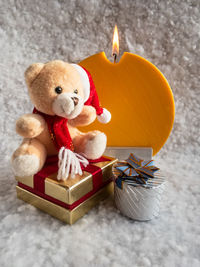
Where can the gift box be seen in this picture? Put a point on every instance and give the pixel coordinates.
(70, 199)
(138, 189)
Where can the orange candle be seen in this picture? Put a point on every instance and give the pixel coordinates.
(137, 95)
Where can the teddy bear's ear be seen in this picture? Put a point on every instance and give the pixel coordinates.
(32, 72)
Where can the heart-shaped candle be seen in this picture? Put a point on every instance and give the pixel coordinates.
(138, 97)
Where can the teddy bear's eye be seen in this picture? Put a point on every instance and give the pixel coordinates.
(76, 91)
(58, 90)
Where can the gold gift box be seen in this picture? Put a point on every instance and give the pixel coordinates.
(68, 192)
(65, 215)
(72, 189)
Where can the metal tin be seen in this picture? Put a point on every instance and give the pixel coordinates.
(138, 202)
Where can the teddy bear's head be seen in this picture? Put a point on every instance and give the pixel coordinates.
(55, 88)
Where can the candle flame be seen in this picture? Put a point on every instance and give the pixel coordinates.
(115, 46)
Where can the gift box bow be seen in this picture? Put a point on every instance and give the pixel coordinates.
(134, 171)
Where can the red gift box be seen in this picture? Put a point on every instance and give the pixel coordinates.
(45, 192)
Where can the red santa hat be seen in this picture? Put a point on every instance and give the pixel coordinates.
(90, 94)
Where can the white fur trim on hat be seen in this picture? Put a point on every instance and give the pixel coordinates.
(105, 117)
(85, 81)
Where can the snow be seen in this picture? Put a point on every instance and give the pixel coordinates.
(167, 34)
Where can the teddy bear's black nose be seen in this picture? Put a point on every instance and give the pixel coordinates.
(75, 99)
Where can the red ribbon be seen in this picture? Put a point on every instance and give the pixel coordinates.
(51, 166)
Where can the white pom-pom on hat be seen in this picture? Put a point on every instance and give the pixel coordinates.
(90, 94)
(105, 117)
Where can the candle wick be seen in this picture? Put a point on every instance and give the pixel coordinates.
(115, 57)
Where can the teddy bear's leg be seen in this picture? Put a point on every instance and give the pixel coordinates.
(29, 158)
(91, 144)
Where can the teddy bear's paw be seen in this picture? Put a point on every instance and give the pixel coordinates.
(25, 165)
(95, 146)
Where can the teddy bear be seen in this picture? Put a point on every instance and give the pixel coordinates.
(64, 97)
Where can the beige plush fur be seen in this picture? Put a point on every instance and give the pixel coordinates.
(30, 125)
(42, 79)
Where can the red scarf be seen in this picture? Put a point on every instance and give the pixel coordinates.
(58, 130)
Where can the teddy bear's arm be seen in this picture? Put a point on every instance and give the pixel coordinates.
(87, 116)
(30, 125)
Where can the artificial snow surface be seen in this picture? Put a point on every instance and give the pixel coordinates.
(168, 34)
